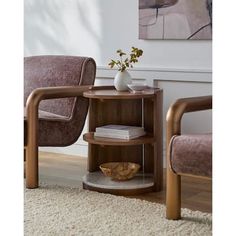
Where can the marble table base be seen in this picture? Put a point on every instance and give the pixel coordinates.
(98, 180)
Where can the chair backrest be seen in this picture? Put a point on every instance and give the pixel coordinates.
(50, 71)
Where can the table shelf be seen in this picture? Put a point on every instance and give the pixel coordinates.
(141, 183)
(89, 137)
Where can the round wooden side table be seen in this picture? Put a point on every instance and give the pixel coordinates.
(108, 106)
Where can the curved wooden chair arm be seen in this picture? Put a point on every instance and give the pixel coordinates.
(45, 93)
(181, 106)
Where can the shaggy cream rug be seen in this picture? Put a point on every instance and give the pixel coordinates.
(54, 210)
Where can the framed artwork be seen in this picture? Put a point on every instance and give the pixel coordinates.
(175, 19)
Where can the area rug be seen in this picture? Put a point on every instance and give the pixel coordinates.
(55, 210)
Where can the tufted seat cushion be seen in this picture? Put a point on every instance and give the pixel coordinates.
(192, 154)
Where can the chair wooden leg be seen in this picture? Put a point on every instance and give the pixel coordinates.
(173, 196)
(32, 145)
(32, 166)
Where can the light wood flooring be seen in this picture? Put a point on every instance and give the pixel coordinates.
(68, 171)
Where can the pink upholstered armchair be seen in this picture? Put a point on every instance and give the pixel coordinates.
(187, 155)
(55, 110)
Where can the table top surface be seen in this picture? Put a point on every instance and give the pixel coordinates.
(114, 94)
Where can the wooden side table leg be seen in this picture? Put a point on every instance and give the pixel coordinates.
(158, 146)
(92, 160)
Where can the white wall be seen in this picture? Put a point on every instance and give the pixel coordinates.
(97, 28)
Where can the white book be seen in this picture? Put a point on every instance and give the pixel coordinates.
(120, 129)
(118, 136)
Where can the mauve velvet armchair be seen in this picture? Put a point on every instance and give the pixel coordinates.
(187, 155)
(55, 109)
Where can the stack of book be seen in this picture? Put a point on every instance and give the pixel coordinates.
(119, 131)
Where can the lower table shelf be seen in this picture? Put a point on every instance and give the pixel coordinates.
(141, 183)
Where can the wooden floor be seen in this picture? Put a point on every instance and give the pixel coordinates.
(68, 171)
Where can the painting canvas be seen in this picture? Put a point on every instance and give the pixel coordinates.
(175, 19)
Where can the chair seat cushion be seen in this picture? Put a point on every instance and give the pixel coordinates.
(47, 115)
(192, 154)
(52, 129)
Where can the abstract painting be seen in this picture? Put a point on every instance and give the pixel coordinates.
(175, 19)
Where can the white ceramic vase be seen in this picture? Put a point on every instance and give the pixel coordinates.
(121, 80)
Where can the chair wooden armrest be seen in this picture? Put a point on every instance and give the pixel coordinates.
(181, 106)
(45, 93)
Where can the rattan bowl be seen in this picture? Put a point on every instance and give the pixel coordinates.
(119, 171)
